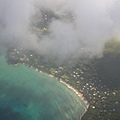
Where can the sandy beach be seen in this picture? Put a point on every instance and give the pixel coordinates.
(70, 87)
(78, 93)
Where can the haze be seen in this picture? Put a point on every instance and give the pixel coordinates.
(83, 33)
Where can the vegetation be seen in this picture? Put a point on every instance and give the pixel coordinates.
(108, 74)
(97, 79)
(112, 47)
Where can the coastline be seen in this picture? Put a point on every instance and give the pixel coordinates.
(80, 95)
(70, 87)
(87, 82)
(77, 93)
(73, 89)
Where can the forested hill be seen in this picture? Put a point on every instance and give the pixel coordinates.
(108, 67)
(108, 73)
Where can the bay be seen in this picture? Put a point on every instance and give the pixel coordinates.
(28, 95)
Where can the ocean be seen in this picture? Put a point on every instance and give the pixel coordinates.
(29, 95)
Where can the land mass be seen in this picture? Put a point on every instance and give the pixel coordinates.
(97, 79)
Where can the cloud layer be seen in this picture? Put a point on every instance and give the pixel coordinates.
(72, 29)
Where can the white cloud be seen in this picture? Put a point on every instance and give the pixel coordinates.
(95, 21)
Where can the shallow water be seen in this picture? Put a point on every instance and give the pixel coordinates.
(28, 95)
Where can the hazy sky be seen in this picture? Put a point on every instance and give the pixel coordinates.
(94, 22)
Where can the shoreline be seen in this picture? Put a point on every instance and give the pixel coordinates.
(80, 95)
(61, 81)
(77, 93)
(70, 87)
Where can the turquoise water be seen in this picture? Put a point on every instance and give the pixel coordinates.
(28, 95)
